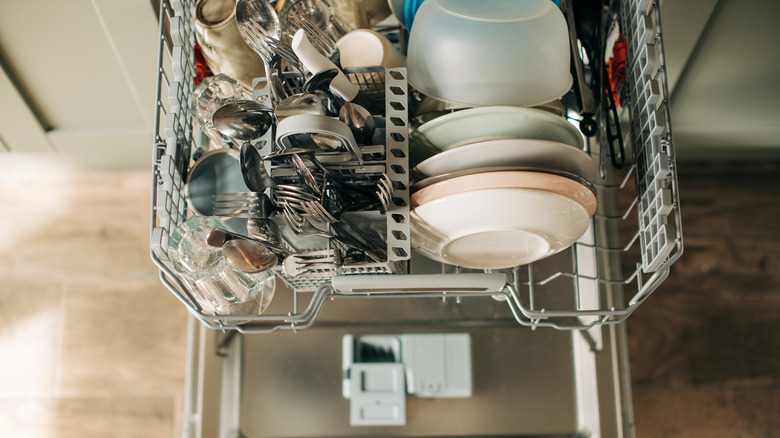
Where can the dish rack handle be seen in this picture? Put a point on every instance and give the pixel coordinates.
(420, 283)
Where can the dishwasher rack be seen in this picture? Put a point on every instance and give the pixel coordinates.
(634, 238)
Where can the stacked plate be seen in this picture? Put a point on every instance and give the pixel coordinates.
(498, 187)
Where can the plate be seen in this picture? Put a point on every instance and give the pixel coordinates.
(510, 152)
(425, 182)
(497, 228)
(561, 185)
(491, 122)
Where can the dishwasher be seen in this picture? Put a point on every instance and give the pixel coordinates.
(411, 347)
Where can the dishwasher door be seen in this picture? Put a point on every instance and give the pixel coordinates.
(541, 383)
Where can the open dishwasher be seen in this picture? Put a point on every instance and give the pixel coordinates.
(406, 346)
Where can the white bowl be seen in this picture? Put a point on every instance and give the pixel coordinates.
(490, 52)
(497, 228)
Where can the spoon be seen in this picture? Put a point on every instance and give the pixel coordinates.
(243, 120)
(304, 103)
(248, 256)
(359, 120)
(261, 30)
(218, 238)
(255, 176)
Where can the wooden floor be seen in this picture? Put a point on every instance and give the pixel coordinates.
(705, 348)
(91, 345)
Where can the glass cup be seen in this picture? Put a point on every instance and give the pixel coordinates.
(319, 12)
(212, 94)
(214, 284)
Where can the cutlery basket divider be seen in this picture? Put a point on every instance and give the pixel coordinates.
(634, 238)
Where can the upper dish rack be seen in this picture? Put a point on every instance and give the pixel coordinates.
(634, 238)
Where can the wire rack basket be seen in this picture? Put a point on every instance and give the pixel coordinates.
(634, 238)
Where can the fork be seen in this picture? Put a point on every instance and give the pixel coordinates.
(321, 40)
(253, 206)
(342, 227)
(286, 52)
(303, 228)
(323, 263)
(247, 205)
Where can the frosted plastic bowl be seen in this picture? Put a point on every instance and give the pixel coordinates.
(490, 52)
(497, 228)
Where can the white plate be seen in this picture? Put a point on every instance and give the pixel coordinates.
(511, 152)
(497, 228)
(491, 122)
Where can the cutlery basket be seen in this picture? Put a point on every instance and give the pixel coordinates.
(634, 238)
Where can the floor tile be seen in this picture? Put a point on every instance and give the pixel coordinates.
(124, 340)
(94, 227)
(30, 338)
(707, 412)
(87, 418)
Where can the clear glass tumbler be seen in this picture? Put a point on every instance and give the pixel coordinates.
(217, 287)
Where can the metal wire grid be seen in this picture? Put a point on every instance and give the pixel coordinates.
(386, 87)
(591, 284)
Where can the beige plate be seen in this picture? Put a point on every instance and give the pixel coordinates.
(509, 180)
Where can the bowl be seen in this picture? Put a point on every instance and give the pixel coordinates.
(497, 228)
(490, 52)
(368, 48)
(582, 192)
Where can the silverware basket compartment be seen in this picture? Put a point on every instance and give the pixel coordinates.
(634, 238)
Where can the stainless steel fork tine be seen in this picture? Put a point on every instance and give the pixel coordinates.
(304, 173)
(324, 42)
(300, 23)
(385, 182)
(235, 202)
(258, 43)
(322, 211)
(238, 204)
(295, 195)
(312, 212)
(291, 217)
(294, 188)
(283, 50)
(383, 199)
(318, 212)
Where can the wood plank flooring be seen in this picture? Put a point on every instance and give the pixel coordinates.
(91, 345)
(705, 348)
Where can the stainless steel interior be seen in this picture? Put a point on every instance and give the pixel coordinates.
(550, 383)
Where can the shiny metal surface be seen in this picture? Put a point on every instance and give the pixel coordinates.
(526, 382)
(523, 382)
